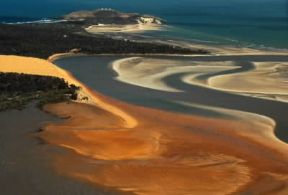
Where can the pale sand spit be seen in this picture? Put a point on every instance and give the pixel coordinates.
(131, 28)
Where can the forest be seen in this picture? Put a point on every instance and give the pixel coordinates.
(44, 40)
(17, 90)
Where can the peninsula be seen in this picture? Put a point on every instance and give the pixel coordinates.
(150, 124)
(110, 16)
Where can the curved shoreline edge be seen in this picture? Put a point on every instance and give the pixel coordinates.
(155, 147)
(227, 76)
(97, 99)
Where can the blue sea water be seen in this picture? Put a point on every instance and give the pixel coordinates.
(260, 23)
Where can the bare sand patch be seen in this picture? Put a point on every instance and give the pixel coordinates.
(268, 78)
(150, 72)
(166, 152)
(36, 66)
(131, 28)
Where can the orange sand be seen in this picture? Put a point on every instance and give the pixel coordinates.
(152, 152)
(166, 153)
(29, 65)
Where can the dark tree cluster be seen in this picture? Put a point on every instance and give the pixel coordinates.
(103, 16)
(16, 90)
(23, 83)
(44, 40)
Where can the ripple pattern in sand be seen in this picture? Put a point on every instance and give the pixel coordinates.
(259, 79)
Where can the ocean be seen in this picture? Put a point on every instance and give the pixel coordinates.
(250, 23)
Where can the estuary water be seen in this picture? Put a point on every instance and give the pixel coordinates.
(96, 72)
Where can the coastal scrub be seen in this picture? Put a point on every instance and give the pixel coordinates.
(16, 90)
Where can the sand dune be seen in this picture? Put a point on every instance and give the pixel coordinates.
(36, 66)
(29, 66)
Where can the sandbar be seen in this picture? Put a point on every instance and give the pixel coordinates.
(117, 28)
(148, 151)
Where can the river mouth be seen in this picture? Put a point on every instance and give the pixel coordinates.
(153, 125)
(97, 73)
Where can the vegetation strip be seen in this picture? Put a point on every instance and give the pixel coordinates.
(16, 90)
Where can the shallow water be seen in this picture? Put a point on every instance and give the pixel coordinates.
(26, 165)
(256, 23)
(97, 74)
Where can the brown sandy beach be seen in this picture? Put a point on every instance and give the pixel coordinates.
(147, 151)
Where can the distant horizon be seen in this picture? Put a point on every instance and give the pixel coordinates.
(244, 22)
(162, 97)
(52, 8)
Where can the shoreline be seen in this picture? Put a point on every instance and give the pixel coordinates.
(162, 123)
(152, 145)
(60, 56)
(190, 93)
(221, 49)
(62, 38)
(211, 81)
(129, 28)
(276, 138)
(257, 94)
(27, 161)
(50, 69)
(83, 175)
(59, 72)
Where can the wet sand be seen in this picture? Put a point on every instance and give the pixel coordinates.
(150, 72)
(266, 78)
(142, 150)
(262, 79)
(99, 75)
(214, 49)
(26, 162)
(165, 152)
